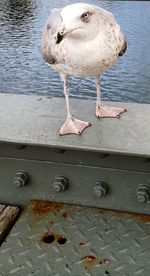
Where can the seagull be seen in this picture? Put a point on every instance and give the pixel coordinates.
(82, 40)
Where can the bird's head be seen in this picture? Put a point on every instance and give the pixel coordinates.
(78, 21)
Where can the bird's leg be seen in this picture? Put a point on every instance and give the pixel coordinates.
(71, 125)
(103, 111)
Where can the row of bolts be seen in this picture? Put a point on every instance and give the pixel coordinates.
(100, 189)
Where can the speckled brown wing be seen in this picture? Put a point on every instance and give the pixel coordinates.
(49, 36)
(123, 50)
(110, 19)
(108, 16)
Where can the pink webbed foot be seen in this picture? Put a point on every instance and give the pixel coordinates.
(73, 126)
(103, 111)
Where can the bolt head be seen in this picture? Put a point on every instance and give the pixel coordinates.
(17, 183)
(143, 193)
(98, 192)
(141, 198)
(58, 188)
(21, 179)
(60, 184)
(100, 189)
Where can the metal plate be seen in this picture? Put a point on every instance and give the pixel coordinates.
(53, 239)
(122, 185)
(75, 157)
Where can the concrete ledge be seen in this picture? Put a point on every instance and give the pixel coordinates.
(36, 120)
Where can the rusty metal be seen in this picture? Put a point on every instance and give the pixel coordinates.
(58, 239)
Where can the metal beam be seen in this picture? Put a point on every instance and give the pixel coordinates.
(36, 121)
(107, 166)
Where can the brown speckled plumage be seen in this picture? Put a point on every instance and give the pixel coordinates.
(82, 40)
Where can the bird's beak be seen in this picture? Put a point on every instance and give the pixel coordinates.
(62, 34)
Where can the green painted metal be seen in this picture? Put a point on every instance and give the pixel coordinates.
(121, 194)
(53, 239)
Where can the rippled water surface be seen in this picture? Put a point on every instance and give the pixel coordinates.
(23, 71)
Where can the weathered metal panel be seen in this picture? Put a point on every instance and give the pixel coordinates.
(113, 151)
(53, 239)
(121, 194)
(36, 120)
(75, 157)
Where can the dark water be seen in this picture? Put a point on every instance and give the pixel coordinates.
(23, 71)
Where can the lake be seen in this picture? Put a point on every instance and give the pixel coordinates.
(23, 71)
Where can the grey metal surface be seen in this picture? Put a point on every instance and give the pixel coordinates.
(116, 152)
(36, 120)
(121, 184)
(74, 157)
(53, 239)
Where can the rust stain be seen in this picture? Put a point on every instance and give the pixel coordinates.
(104, 261)
(121, 214)
(81, 244)
(65, 215)
(47, 237)
(51, 237)
(104, 211)
(144, 218)
(51, 222)
(89, 261)
(140, 217)
(42, 207)
(107, 273)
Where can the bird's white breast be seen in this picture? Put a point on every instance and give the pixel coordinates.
(88, 58)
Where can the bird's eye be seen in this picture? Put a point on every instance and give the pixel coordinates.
(85, 16)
